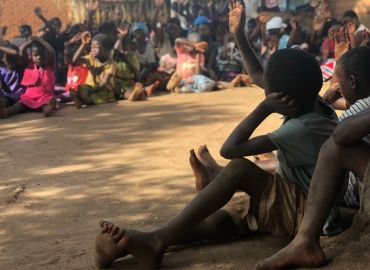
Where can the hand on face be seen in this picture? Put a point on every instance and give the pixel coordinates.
(280, 103)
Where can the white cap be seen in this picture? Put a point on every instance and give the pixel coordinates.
(275, 23)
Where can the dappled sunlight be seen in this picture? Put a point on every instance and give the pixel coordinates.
(124, 162)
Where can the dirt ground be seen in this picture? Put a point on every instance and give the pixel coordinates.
(127, 163)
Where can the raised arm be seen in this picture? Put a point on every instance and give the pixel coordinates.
(49, 25)
(5, 49)
(250, 60)
(85, 38)
(24, 47)
(49, 49)
(240, 144)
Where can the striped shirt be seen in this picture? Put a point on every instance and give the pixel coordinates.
(354, 184)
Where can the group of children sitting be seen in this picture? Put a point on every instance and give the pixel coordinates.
(322, 163)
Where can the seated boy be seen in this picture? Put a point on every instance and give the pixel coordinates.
(346, 150)
(308, 123)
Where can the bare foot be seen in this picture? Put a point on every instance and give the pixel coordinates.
(202, 176)
(50, 108)
(110, 244)
(138, 94)
(113, 243)
(151, 88)
(297, 256)
(206, 158)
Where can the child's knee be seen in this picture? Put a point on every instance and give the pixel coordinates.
(330, 150)
(240, 166)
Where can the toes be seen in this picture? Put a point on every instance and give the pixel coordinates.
(115, 230)
(123, 243)
(117, 237)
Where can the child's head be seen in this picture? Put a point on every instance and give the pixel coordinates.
(25, 31)
(203, 25)
(100, 46)
(10, 61)
(140, 33)
(296, 74)
(173, 29)
(273, 41)
(350, 18)
(353, 71)
(38, 54)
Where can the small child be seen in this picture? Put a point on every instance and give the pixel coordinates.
(128, 69)
(99, 87)
(39, 80)
(188, 77)
(76, 74)
(11, 72)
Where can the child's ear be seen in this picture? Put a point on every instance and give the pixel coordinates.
(353, 81)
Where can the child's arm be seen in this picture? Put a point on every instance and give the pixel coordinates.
(50, 26)
(250, 59)
(239, 144)
(24, 47)
(85, 38)
(353, 129)
(7, 50)
(50, 50)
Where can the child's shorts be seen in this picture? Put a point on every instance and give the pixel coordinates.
(279, 211)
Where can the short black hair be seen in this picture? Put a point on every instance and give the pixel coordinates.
(38, 46)
(103, 40)
(295, 73)
(175, 21)
(350, 14)
(356, 62)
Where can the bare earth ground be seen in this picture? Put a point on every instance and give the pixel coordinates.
(127, 163)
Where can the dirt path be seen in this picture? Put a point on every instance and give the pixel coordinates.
(124, 162)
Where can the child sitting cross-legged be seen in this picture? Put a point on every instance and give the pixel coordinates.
(38, 79)
(99, 87)
(292, 82)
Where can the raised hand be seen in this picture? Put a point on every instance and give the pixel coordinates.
(236, 17)
(38, 11)
(365, 39)
(86, 37)
(201, 46)
(158, 3)
(294, 23)
(123, 31)
(342, 42)
(263, 18)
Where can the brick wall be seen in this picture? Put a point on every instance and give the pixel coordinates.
(16, 12)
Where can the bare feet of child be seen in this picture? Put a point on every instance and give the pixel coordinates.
(295, 255)
(206, 158)
(150, 89)
(50, 108)
(77, 100)
(138, 94)
(113, 243)
(202, 176)
(241, 79)
(2, 108)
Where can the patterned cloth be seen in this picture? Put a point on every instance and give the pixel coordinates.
(11, 84)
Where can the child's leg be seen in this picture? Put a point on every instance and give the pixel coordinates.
(49, 109)
(326, 184)
(17, 108)
(83, 94)
(240, 174)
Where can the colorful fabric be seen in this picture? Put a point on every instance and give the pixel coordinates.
(328, 69)
(11, 84)
(76, 75)
(197, 84)
(168, 64)
(97, 73)
(187, 62)
(40, 84)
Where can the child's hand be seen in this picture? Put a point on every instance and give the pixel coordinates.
(86, 37)
(294, 23)
(342, 42)
(38, 11)
(122, 31)
(365, 39)
(158, 3)
(263, 18)
(332, 94)
(201, 46)
(281, 103)
(236, 17)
